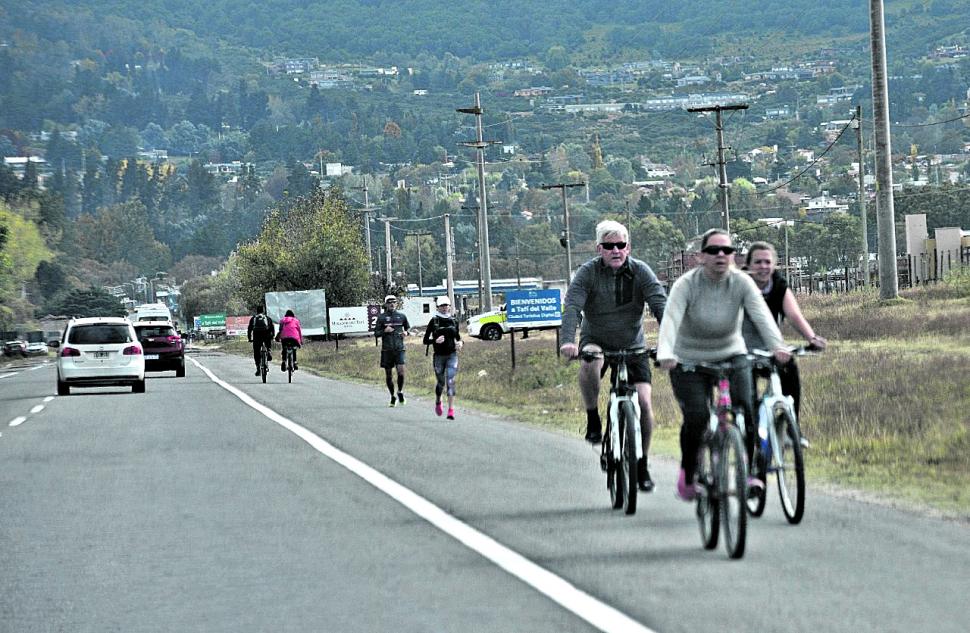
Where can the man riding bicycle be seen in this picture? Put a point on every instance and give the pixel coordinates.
(290, 336)
(610, 292)
(260, 334)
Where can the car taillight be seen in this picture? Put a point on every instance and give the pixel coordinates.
(132, 350)
(173, 340)
(70, 351)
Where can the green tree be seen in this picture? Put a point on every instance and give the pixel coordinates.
(654, 238)
(89, 303)
(313, 242)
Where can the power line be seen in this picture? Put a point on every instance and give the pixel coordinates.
(813, 163)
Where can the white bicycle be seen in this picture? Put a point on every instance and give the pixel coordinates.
(778, 447)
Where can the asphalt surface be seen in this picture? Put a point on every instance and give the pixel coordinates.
(217, 503)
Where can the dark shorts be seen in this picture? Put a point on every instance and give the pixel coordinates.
(638, 369)
(391, 359)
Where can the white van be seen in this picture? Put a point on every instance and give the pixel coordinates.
(151, 312)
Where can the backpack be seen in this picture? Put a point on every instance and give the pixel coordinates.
(260, 323)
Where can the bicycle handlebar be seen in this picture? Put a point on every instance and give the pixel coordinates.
(763, 359)
(610, 355)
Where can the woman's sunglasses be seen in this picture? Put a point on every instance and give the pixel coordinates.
(608, 246)
(718, 250)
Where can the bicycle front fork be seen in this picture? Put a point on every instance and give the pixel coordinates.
(614, 413)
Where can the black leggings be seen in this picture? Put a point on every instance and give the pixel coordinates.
(693, 392)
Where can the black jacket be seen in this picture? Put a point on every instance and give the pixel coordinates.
(442, 326)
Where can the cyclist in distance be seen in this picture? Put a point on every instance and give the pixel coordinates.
(290, 335)
(609, 293)
(762, 265)
(703, 324)
(444, 335)
(260, 334)
(392, 326)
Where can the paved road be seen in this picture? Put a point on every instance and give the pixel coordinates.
(216, 503)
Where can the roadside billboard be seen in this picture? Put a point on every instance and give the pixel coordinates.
(237, 325)
(209, 322)
(309, 306)
(533, 308)
(349, 320)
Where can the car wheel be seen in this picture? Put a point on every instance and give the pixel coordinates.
(491, 332)
(180, 372)
(138, 387)
(62, 388)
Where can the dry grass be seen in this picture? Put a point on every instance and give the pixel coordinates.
(887, 407)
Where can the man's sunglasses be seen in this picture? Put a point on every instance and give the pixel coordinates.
(608, 246)
(718, 250)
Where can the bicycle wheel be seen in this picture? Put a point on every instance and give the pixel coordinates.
(615, 479)
(708, 514)
(629, 456)
(791, 467)
(263, 366)
(289, 366)
(732, 490)
(757, 497)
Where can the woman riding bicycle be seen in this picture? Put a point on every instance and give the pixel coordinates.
(702, 323)
(290, 335)
(762, 263)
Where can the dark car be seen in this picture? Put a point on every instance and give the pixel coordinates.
(15, 348)
(164, 348)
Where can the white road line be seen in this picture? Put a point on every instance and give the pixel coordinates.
(48, 398)
(37, 409)
(18, 421)
(599, 614)
(7, 375)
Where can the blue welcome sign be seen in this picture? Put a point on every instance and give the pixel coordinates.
(533, 308)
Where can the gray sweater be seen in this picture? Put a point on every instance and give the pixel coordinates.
(703, 317)
(611, 304)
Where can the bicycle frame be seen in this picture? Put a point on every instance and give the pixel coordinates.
(621, 390)
(769, 403)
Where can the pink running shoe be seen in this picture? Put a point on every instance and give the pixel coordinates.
(451, 413)
(685, 492)
(437, 409)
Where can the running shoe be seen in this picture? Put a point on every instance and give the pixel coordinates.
(451, 413)
(393, 402)
(400, 397)
(437, 409)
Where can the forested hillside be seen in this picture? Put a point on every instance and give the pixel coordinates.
(343, 30)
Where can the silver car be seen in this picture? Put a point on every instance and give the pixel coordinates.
(100, 352)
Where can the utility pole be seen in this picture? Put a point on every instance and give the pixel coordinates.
(370, 261)
(565, 221)
(721, 169)
(450, 281)
(417, 243)
(387, 246)
(857, 124)
(481, 273)
(885, 213)
(480, 145)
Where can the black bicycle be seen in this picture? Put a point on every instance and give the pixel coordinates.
(622, 447)
(289, 359)
(722, 470)
(263, 361)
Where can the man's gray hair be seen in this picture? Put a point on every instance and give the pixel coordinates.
(606, 227)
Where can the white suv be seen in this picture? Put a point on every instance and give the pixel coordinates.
(99, 352)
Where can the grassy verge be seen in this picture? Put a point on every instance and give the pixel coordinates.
(887, 407)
